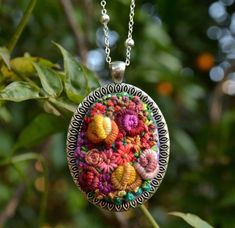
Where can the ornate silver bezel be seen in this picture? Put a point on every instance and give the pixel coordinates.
(163, 140)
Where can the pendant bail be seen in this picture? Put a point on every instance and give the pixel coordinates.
(117, 71)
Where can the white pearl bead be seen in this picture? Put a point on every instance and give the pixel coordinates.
(105, 19)
(129, 43)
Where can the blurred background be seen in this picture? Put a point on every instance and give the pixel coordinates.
(184, 58)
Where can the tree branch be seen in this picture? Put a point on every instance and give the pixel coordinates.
(22, 24)
(76, 28)
(216, 104)
(12, 205)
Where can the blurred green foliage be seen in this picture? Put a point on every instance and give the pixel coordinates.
(169, 36)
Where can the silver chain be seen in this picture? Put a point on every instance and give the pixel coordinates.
(129, 43)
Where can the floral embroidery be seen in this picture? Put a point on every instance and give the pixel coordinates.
(117, 149)
(93, 157)
(105, 185)
(124, 154)
(147, 165)
(89, 179)
(109, 161)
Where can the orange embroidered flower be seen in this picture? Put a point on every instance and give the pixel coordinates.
(102, 129)
(135, 142)
(113, 134)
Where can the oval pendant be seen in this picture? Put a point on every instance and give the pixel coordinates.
(118, 147)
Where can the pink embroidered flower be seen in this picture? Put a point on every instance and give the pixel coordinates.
(93, 157)
(89, 179)
(124, 153)
(147, 165)
(98, 108)
(132, 105)
(136, 99)
(105, 184)
(108, 161)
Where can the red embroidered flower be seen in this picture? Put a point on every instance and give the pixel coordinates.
(124, 154)
(89, 179)
(98, 108)
(87, 120)
(117, 108)
(110, 103)
(148, 140)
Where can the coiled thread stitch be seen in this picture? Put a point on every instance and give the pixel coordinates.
(102, 129)
(125, 177)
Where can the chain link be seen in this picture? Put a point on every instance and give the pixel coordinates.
(129, 42)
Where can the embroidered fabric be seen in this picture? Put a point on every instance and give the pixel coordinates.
(117, 152)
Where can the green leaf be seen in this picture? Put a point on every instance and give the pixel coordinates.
(39, 129)
(192, 220)
(5, 115)
(228, 200)
(5, 55)
(92, 79)
(185, 145)
(19, 91)
(64, 103)
(50, 80)
(75, 80)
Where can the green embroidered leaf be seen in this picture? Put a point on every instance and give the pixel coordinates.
(75, 80)
(5, 55)
(50, 80)
(19, 91)
(192, 220)
(39, 129)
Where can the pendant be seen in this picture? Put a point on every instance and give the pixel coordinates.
(118, 147)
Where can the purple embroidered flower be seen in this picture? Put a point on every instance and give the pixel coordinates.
(105, 184)
(82, 140)
(114, 99)
(125, 99)
(129, 122)
(79, 154)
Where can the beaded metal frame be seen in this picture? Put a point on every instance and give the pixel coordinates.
(163, 138)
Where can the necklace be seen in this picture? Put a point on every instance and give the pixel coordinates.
(118, 142)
